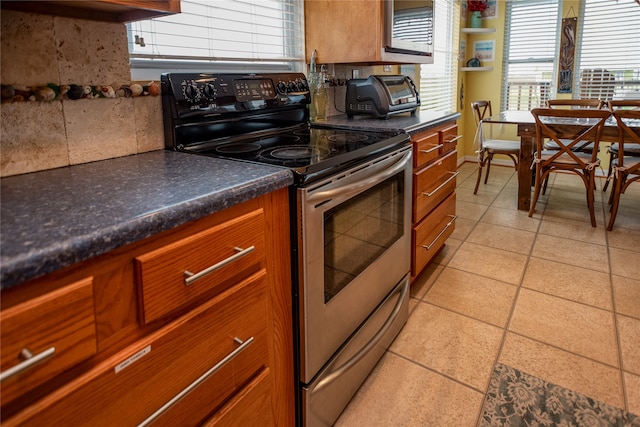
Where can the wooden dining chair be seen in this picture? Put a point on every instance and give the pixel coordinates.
(573, 104)
(626, 168)
(488, 147)
(551, 124)
(612, 150)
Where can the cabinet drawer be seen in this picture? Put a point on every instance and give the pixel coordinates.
(250, 407)
(57, 328)
(429, 236)
(136, 382)
(449, 138)
(175, 275)
(426, 148)
(433, 184)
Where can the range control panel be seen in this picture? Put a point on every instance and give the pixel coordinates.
(190, 94)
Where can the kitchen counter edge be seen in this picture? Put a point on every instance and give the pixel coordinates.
(59, 217)
(410, 123)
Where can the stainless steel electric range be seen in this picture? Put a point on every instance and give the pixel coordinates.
(350, 216)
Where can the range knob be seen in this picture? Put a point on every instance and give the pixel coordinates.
(302, 84)
(292, 87)
(191, 91)
(210, 91)
(282, 87)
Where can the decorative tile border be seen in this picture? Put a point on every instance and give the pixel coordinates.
(52, 92)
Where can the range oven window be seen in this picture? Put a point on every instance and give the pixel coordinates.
(359, 230)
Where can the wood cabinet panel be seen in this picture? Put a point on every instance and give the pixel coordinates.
(433, 184)
(449, 138)
(134, 383)
(163, 274)
(350, 32)
(99, 10)
(60, 323)
(430, 235)
(426, 148)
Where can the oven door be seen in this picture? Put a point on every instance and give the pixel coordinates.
(355, 248)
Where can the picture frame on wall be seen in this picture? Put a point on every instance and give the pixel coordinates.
(491, 12)
(484, 50)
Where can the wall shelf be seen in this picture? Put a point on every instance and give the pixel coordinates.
(476, 68)
(478, 30)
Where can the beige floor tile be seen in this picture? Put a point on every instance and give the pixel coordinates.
(425, 280)
(569, 370)
(505, 238)
(489, 262)
(626, 294)
(570, 282)
(632, 387)
(629, 330)
(483, 197)
(511, 218)
(474, 296)
(572, 252)
(559, 208)
(447, 252)
(463, 228)
(472, 211)
(624, 238)
(625, 263)
(572, 229)
(628, 216)
(587, 331)
(449, 343)
(400, 393)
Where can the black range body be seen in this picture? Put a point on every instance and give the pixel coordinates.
(350, 219)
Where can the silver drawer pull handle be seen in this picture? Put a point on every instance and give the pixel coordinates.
(190, 277)
(454, 174)
(449, 141)
(26, 364)
(446, 227)
(197, 382)
(431, 149)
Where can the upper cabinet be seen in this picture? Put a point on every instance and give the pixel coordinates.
(361, 31)
(99, 10)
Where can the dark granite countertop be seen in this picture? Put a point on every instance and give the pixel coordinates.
(410, 123)
(56, 218)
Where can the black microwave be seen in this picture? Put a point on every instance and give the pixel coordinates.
(409, 26)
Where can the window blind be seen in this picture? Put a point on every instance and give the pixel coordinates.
(529, 53)
(438, 80)
(608, 58)
(414, 25)
(212, 35)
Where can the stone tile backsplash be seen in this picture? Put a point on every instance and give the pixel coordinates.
(40, 49)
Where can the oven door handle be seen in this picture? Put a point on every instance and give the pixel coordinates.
(381, 171)
(368, 347)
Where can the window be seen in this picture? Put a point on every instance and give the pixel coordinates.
(608, 62)
(438, 80)
(529, 53)
(220, 35)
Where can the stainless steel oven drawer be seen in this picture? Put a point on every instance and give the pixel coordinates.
(325, 398)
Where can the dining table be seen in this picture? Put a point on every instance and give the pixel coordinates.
(526, 130)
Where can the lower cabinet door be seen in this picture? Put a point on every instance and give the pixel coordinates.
(219, 347)
(431, 233)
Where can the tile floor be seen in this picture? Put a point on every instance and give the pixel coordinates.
(548, 295)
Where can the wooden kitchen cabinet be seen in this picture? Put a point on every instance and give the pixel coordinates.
(350, 32)
(217, 351)
(98, 10)
(434, 199)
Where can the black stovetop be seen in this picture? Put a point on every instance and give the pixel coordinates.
(310, 152)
